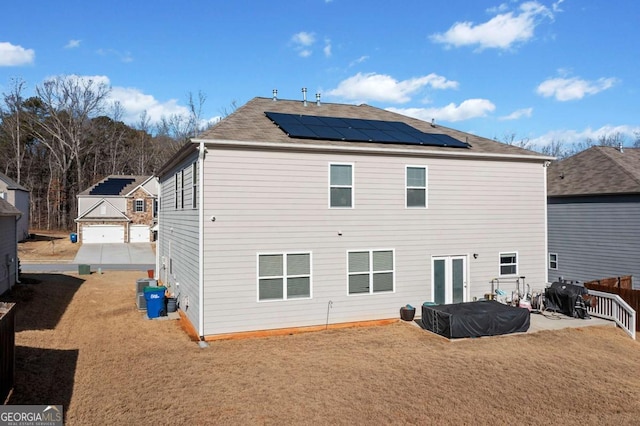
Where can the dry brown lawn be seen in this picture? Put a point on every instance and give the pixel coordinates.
(84, 345)
(47, 246)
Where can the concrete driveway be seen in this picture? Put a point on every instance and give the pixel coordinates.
(123, 254)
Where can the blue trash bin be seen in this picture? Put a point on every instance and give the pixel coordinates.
(73, 237)
(155, 301)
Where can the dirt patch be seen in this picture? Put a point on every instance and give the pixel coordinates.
(48, 246)
(96, 355)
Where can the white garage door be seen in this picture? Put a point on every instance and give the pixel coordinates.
(139, 234)
(93, 234)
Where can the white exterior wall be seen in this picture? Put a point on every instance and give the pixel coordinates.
(178, 242)
(276, 201)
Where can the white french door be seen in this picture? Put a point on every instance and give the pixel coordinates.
(449, 279)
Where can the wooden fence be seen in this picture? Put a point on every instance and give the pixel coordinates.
(619, 282)
(632, 297)
(7, 349)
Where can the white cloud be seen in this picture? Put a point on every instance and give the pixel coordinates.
(302, 41)
(517, 114)
(123, 56)
(503, 31)
(327, 47)
(471, 108)
(556, 6)
(135, 102)
(72, 44)
(571, 137)
(380, 87)
(567, 89)
(360, 60)
(12, 55)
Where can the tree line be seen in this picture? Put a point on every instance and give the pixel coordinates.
(69, 135)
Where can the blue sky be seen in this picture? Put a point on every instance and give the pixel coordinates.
(540, 70)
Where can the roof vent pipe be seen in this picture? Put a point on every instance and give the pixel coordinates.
(304, 96)
(433, 122)
(275, 95)
(318, 99)
(620, 147)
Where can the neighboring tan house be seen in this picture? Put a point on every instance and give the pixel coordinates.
(594, 215)
(18, 196)
(9, 218)
(118, 209)
(289, 214)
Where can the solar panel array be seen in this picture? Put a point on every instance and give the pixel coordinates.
(358, 130)
(111, 186)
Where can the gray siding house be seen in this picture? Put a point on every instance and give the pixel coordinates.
(594, 215)
(19, 197)
(265, 229)
(9, 218)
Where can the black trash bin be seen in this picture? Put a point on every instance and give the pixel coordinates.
(407, 313)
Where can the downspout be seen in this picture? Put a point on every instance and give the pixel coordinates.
(546, 225)
(157, 210)
(201, 154)
(17, 260)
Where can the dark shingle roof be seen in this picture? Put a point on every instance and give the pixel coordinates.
(117, 185)
(599, 170)
(249, 123)
(6, 209)
(11, 184)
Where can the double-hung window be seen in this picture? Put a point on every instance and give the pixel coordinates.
(284, 276)
(416, 190)
(182, 189)
(370, 271)
(175, 190)
(509, 263)
(341, 185)
(139, 205)
(553, 261)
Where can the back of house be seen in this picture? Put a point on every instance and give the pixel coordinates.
(289, 214)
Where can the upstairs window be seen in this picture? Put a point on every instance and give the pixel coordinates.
(139, 205)
(553, 261)
(416, 189)
(341, 185)
(175, 190)
(182, 189)
(509, 263)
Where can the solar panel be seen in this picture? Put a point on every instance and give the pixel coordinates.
(358, 130)
(111, 186)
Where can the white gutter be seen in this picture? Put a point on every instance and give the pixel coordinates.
(369, 150)
(201, 240)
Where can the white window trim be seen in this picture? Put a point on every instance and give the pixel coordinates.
(556, 261)
(352, 186)
(194, 185)
(425, 187)
(371, 292)
(284, 276)
(135, 205)
(182, 189)
(175, 190)
(500, 274)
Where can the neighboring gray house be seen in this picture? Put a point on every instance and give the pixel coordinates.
(9, 218)
(118, 209)
(18, 196)
(342, 213)
(594, 215)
